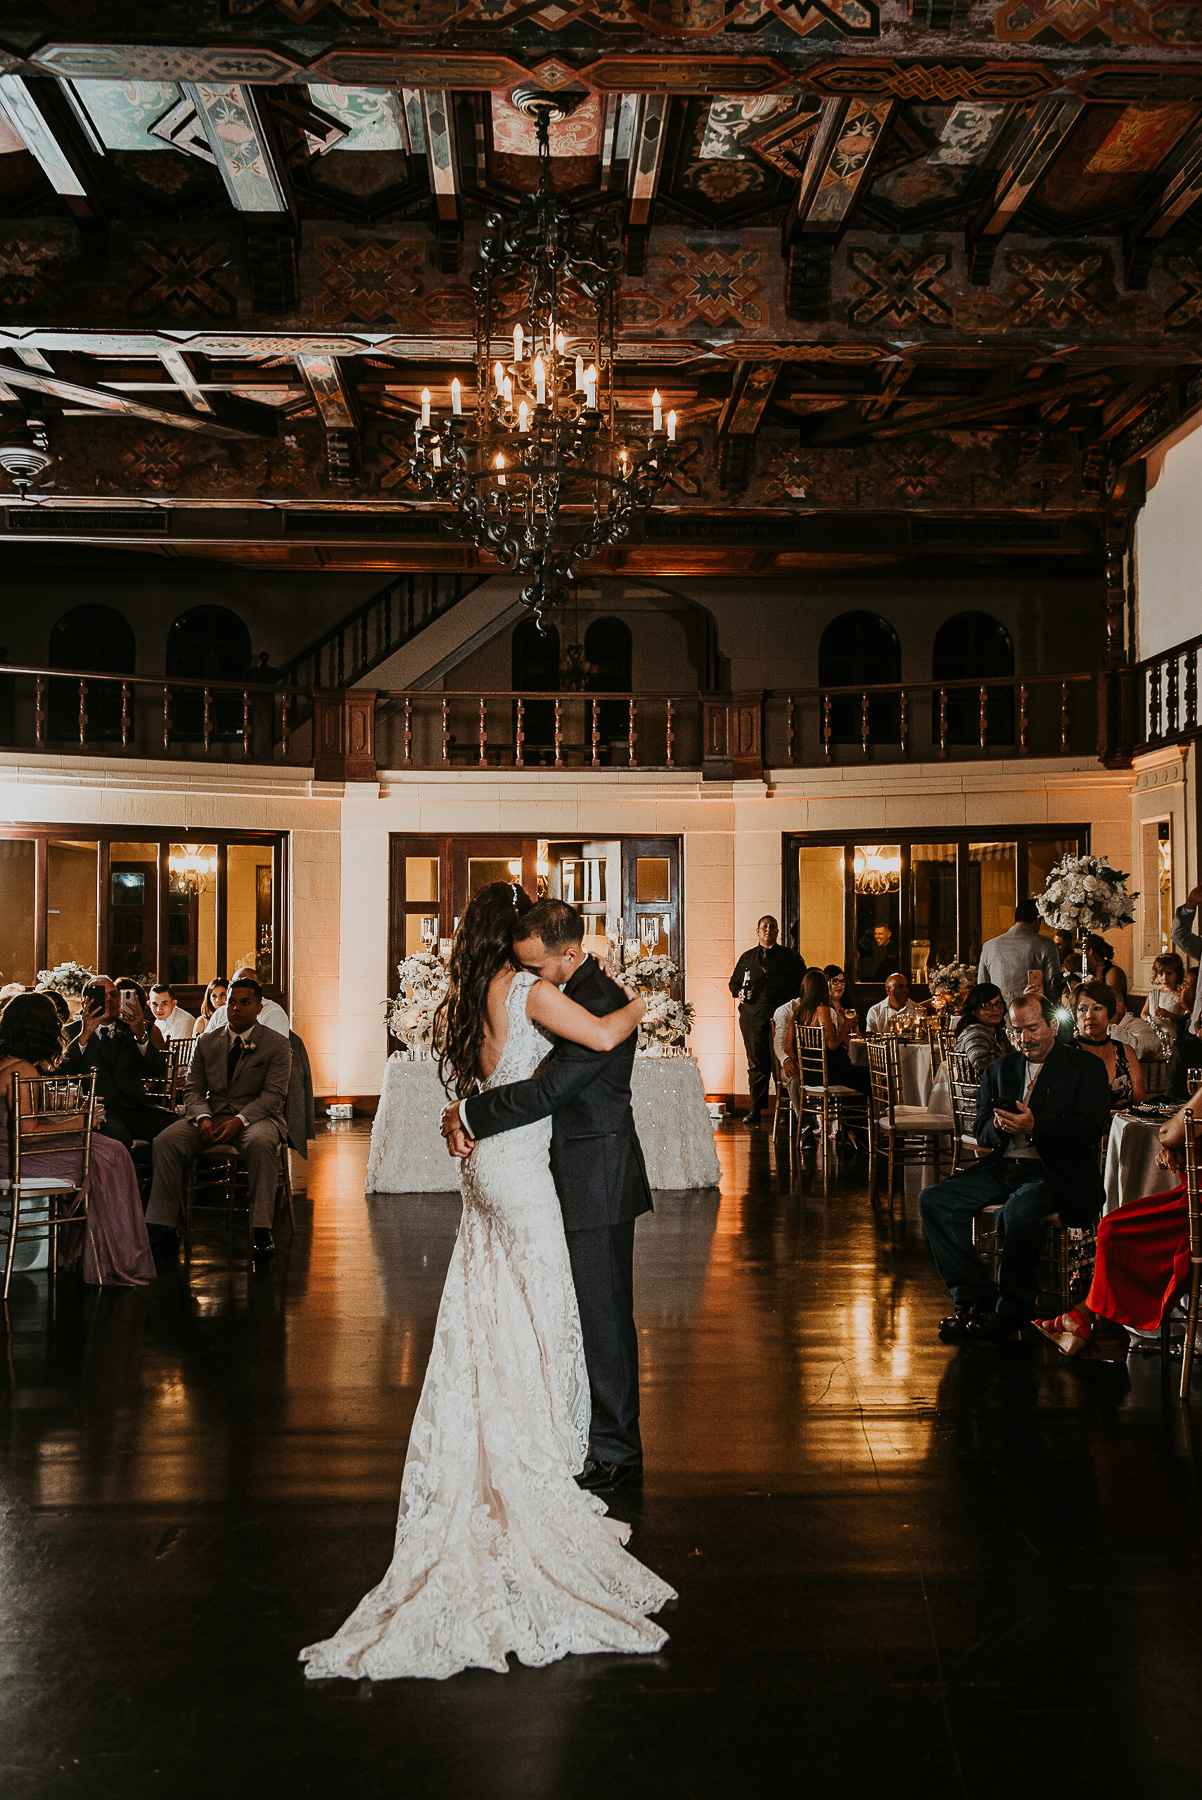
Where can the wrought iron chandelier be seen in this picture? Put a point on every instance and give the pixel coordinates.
(876, 869)
(541, 473)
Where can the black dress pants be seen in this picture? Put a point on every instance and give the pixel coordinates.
(603, 1273)
(755, 1022)
(129, 1122)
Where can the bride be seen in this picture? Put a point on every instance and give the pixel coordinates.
(497, 1549)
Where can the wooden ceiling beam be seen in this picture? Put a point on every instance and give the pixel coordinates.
(339, 412)
(100, 400)
(842, 150)
(1005, 392)
(643, 171)
(1037, 138)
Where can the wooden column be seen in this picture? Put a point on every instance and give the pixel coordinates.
(733, 727)
(344, 734)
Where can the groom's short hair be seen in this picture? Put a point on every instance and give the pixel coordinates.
(554, 921)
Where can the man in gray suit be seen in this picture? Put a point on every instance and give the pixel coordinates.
(1010, 960)
(237, 1094)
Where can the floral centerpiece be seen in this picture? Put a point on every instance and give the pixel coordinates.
(652, 974)
(1083, 895)
(68, 979)
(665, 1026)
(949, 981)
(423, 983)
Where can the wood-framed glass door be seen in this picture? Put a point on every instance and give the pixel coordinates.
(653, 909)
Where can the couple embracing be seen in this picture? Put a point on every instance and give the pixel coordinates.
(530, 1403)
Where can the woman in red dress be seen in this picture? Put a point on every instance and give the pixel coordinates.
(1142, 1263)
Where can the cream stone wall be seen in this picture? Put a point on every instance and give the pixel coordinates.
(732, 835)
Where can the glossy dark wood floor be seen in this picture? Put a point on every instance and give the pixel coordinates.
(901, 1566)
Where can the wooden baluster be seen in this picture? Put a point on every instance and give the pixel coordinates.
(1063, 717)
(672, 735)
(984, 721)
(943, 723)
(632, 734)
(1174, 719)
(245, 723)
(558, 732)
(483, 732)
(826, 727)
(595, 734)
(125, 697)
(39, 713)
(519, 738)
(905, 723)
(285, 703)
(792, 737)
(864, 723)
(83, 715)
(1191, 687)
(208, 720)
(446, 735)
(408, 763)
(166, 720)
(1022, 718)
(1154, 721)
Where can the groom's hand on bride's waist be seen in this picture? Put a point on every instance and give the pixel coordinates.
(458, 1142)
(450, 1119)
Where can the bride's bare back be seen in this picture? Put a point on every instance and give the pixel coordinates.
(547, 1006)
(496, 1023)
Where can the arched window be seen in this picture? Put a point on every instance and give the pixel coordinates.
(207, 643)
(972, 646)
(90, 637)
(860, 649)
(609, 647)
(534, 662)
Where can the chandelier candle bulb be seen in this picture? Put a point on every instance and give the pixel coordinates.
(657, 414)
(500, 466)
(579, 374)
(559, 344)
(508, 392)
(671, 427)
(498, 375)
(456, 398)
(523, 417)
(437, 457)
(425, 406)
(540, 382)
(590, 386)
(517, 343)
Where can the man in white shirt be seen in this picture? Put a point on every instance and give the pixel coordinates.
(173, 1021)
(896, 1005)
(271, 1014)
(1008, 960)
(1141, 1034)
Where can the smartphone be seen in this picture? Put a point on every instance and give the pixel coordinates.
(129, 1004)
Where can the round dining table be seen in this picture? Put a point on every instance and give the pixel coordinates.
(920, 1086)
(1131, 1169)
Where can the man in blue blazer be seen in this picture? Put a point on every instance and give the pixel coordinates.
(1041, 1112)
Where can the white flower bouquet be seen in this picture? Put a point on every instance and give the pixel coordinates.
(1085, 894)
(950, 978)
(67, 978)
(665, 1026)
(424, 981)
(652, 974)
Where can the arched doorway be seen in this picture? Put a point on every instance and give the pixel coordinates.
(973, 646)
(90, 637)
(206, 644)
(534, 668)
(861, 650)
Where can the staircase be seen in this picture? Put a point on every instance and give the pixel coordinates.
(362, 640)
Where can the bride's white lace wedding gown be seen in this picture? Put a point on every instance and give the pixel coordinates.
(497, 1549)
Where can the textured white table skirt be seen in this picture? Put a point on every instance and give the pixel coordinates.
(1131, 1170)
(408, 1155)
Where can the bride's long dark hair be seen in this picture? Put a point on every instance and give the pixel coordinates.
(483, 946)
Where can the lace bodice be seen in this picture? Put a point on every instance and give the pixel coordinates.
(526, 1045)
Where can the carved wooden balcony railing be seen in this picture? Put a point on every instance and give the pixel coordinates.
(1166, 697)
(349, 733)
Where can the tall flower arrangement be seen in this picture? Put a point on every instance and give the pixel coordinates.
(665, 1026)
(952, 979)
(66, 978)
(423, 983)
(1084, 894)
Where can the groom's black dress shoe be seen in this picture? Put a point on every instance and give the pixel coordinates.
(263, 1244)
(596, 1474)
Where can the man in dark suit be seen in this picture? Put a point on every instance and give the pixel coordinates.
(120, 1047)
(1041, 1112)
(237, 1093)
(764, 979)
(599, 1174)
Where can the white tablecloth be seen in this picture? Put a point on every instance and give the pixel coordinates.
(1131, 1170)
(408, 1155)
(917, 1086)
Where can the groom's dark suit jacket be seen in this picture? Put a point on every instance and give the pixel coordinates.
(596, 1157)
(1070, 1104)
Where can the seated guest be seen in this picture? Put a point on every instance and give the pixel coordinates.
(59, 1003)
(813, 1007)
(172, 1020)
(896, 1006)
(214, 998)
(1010, 960)
(979, 1035)
(1102, 965)
(1096, 1007)
(1167, 1005)
(272, 1016)
(1141, 1264)
(836, 981)
(113, 1246)
(123, 1054)
(1128, 1028)
(135, 1010)
(1041, 1112)
(236, 1093)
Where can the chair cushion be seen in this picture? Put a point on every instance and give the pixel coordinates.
(47, 1185)
(916, 1120)
(841, 1092)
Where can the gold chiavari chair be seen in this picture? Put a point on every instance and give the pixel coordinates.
(903, 1135)
(180, 1052)
(827, 1105)
(1193, 1159)
(216, 1181)
(52, 1116)
(966, 1087)
(782, 1111)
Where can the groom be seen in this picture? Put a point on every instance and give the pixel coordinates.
(599, 1173)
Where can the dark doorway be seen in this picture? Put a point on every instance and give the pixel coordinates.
(972, 646)
(89, 637)
(860, 649)
(609, 647)
(534, 668)
(207, 643)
